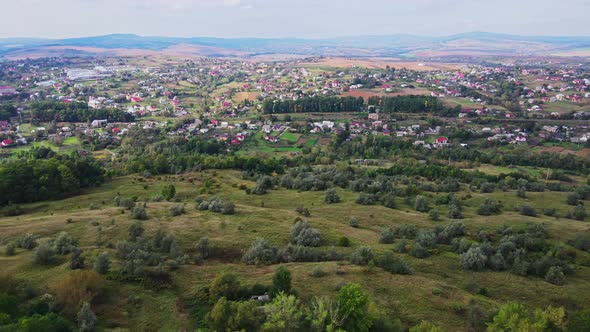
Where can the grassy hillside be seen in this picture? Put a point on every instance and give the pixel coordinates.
(439, 290)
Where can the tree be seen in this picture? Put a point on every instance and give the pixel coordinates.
(284, 314)
(235, 316)
(225, 285)
(517, 317)
(168, 192)
(281, 281)
(331, 196)
(86, 318)
(102, 264)
(353, 304)
(579, 321)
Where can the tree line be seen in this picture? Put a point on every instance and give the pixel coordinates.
(75, 112)
(314, 105)
(37, 176)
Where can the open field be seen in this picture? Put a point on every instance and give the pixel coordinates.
(381, 63)
(366, 94)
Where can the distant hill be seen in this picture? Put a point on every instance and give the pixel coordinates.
(472, 43)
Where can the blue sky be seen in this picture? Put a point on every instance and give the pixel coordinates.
(290, 18)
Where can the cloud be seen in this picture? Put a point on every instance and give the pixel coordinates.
(232, 3)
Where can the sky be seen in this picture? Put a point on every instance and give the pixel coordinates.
(290, 18)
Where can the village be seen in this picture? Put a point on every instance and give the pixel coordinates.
(222, 99)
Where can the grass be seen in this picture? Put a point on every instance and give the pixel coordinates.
(290, 137)
(271, 216)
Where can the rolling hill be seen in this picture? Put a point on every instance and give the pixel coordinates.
(473, 43)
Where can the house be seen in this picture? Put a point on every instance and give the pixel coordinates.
(6, 90)
(442, 140)
(374, 116)
(98, 123)
(6, 143)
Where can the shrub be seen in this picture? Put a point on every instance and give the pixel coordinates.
(203, 247)
(426, 238)
(387, 236)
(486, 188)
(425, 326)
(44, 255)
(579, 321)
(550, 212)
(126, 203)
(406, 231)
(434, 214)
(135, 231)
(521, 192)
(419, 252)
(579, 213)
(260, 252)
(362, 255)
(421, 204)
(177, 210)
(344, 241)
(228, 208)
(555, 275)
(401, 247)
(331, 196)
(497, 262)
(366, 199)
(12, 210)
(451, 231)
(573, 199)
(389, 201)
(581, 242)
(76, 288)
(86, 318)
(102, 264)
(318, 272)
(392, 264)
(527, 210)
(28, 241)
(168, 192)
(303, 234)
(455, 212)
(353, 222)
(460, 246)
(10, 249)
(64, 243)
(489, 207)
(303, 211)
(139, 213)
(474, 259)
(77, 261)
